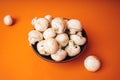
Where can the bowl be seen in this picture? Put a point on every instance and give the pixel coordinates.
(68, 58)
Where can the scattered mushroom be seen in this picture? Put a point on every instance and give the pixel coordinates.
(8, 20)
(59, 55)
(92, 63)
(72, 49)
(79, 40)
(48, 17)
(41, 48)
(41, 24)
(49, 33)
(34, 36)
(58, 24)
(62, 39)
(74, 26)
(51, 46)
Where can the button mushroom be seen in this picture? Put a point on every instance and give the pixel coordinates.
(62, 39)
(51, 46)
(34, 21)
(49, 18)
(8, 20)
(49, 33)
(41, 48)
(92, 63)
(79, 40)
(58, 24)
(79, 33)
(34, 36)
(72, 49)
(59, 55)
(74, 26)
(41, 24)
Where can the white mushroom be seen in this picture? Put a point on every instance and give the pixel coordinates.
(49, 18)
(59, 55)
(74, 26)
(41, 24)
(72, 49)
(62, 39)
(66, 20)
(79, 40)
(58, 24)
(34, 20)
(92, 63)
(51, 46)
(79, 33)
(41, 48)
(49, 33)
(8, 20)
(34, 36)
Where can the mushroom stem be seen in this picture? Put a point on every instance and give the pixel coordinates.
(72, 31)
(72, 49)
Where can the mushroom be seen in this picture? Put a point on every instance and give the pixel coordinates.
(79, 40)
(58, 24)
(79, 33)
(66, 20)
(51, 46)
(59, 55)
(41, 24)
(49, 18)
(62, 39)
(34, 21)
(41, 48)
(49, 33)
(34, 36)
(74, 26)
(72, 49)
(8, 20)
(92, 63)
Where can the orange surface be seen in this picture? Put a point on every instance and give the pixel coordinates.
(101, 20)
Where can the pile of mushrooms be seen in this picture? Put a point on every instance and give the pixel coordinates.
(57, 37)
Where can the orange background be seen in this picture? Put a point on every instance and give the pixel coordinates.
(101, 20)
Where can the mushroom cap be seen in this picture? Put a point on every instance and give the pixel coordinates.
(51, 46)
(58, 24)
(59, 55)
(92, 63)
(41, 24)
(34, 36)
(79, 40)
(49, 33)
(34, 21)
(72, 49)
(8, 20)
(41, 48)
(49, 18)
(74, 25)
(62, 39)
